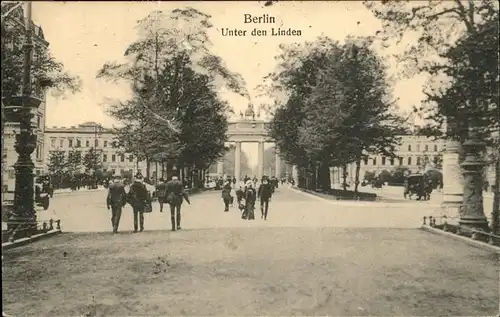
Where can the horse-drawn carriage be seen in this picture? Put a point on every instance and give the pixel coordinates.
(417, 184)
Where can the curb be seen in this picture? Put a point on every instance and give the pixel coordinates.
(477, 244)
(24, 241)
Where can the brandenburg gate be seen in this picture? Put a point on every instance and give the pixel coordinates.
(249, 129)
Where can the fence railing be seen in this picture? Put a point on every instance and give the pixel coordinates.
(21, 229)
(475, 234)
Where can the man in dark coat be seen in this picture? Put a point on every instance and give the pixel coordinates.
(250, 198)
(226, 195)
(175, 195)
(138, 198)
(161, 192)
(116, 199)
(264, 193)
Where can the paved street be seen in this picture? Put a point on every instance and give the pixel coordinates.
(86, 212)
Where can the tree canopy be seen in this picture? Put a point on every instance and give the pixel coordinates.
(47, 72)
(175, 113)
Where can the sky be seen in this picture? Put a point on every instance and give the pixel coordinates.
(85, 35)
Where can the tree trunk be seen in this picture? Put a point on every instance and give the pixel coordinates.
(324, 176)
(356, 182)
(495, 215)
(344, 177)
(148, 169)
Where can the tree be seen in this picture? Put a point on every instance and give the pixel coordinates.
(175, 78)
(457, 46)
(92, 160)
(74, 162)
(47, 73)
(349, 112)
(338, 107)
(56, 167)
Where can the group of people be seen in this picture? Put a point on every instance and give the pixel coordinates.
(140, 198)
(247, 196)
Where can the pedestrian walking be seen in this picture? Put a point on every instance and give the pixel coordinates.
(116, 200)
(264, 193)
(226, 195)
(139, 199)
(250, 198)
(175, 194)
(161, 192)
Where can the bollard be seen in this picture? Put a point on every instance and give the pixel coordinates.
(425, 219)
(51, 224)
(58, 224)
(434, 221)
(430, 221)
(44, 226)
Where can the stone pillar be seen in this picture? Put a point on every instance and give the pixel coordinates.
(472, 212)
(295, 175)
(278, 164)
(260, 166)
(220, 168)
(237, 163)
(452, 180)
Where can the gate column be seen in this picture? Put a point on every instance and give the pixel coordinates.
(260, 167)
(237, 163)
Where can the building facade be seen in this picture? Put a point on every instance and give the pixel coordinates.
(416, 153)
(11, 129)
(89, 135)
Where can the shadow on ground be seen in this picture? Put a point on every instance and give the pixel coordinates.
(251, 271)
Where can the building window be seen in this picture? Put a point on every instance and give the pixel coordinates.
(383, 160)
(52, 143)
(61, 143)
(139, 171)
(70, 143)
(409, 161)
(105, 157)
(426, 148)
(105, 144)
(131, 158)
(113, 171)
(87, 143)
(374, 161)
(12, 174)
(38, 122)
(365, 160)
(418, 147)
(392, 161)
(400, 161)
(435, 148)
(409, 147)
(96, 143)
(113, 158)
(122, 158)
(78, 143)
(436, 159)
(418, 160)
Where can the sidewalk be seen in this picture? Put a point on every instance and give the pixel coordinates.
(67, 191)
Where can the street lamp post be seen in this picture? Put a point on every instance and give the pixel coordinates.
(472, 212)
(19, 109)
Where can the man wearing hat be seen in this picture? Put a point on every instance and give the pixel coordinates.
(138, 198)
(174, 196)
(250, 197)
(226, 195)
(116, 199)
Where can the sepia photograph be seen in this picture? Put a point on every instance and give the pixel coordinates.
(250, 158)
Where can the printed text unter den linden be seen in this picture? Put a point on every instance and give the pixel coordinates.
(263, 19)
